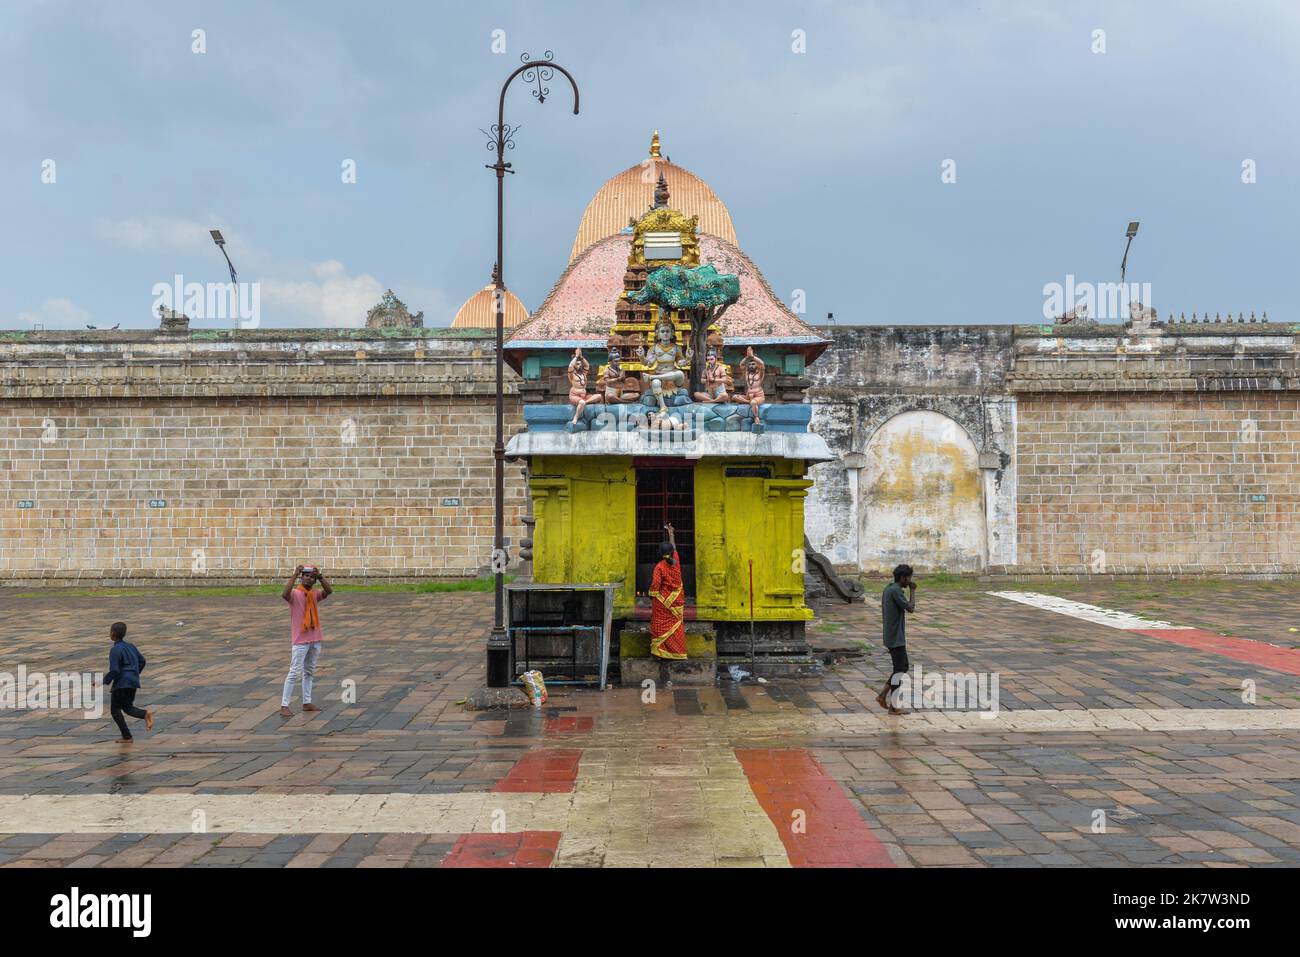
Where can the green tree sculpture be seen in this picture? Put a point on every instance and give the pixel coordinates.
(701, 292)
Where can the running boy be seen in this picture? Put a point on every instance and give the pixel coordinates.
(124, 666)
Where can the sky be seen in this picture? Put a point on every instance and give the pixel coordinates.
(892, 163)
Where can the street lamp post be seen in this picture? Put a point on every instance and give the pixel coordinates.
(501, 138)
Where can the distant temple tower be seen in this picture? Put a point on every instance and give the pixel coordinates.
(391, 313)
(479, 310)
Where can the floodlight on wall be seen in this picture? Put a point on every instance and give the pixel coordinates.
(1123, 266)
(221, 244)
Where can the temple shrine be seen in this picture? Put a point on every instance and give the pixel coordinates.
(663, 384)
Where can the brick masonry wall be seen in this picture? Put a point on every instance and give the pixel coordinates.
(267, 447)
(251, 486)
(1118, 448)
(1190, 482)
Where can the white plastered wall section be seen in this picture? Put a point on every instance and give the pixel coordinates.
(836, 504)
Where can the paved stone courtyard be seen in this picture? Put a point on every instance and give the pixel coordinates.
(1121, 738)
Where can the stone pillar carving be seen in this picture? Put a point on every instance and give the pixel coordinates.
(525, 570)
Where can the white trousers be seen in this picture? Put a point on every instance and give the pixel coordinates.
(302, 665)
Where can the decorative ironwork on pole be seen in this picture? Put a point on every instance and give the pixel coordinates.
(501, 138)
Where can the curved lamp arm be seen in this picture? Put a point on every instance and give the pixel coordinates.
(539, 72)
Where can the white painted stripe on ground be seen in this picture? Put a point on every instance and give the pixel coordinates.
(1091, 719)
(624, 801)
(1077, 609)
(625, 798)
(280, 813)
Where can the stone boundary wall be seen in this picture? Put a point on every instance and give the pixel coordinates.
(130, 457)
(1170, 450)
(139, 456)
(872, 374)
(1105, 449)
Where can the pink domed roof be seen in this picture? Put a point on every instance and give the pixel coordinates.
(579, 310)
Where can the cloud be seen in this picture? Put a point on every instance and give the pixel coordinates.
(331, 269)
(57, 314)
(293, 293)
(332, 298)
(157, 232)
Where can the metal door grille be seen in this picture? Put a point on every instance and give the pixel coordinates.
(665, 493)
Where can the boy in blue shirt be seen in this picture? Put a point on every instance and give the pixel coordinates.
(124, 666)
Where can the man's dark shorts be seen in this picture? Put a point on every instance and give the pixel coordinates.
(899, 658)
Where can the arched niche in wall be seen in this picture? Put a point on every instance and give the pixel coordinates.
(921, 496)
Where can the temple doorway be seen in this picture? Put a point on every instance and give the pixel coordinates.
(665, 493)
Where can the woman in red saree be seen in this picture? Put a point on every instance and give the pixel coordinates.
(668, 604)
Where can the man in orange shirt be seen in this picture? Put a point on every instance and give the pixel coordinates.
(305, 630)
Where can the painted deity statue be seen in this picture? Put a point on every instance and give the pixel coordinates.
(614, 380)
(716, 380)
(579, 368)
(755, 369)
(668, 362)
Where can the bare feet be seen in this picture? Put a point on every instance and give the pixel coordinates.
(125, 740)
(285, 712)
(148, 720)
(310, 707)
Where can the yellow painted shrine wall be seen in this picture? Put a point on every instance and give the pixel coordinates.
(585, 509)
(586, 532)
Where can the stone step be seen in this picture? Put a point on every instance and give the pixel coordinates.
(701, 641)
(775, 666)
(636, 664)
(770, 646)
(686, 672)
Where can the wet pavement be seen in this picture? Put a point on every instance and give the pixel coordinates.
(1140, 739)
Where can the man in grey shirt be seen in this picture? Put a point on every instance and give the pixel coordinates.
(894, 606)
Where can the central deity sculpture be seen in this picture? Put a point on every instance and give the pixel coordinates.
(667, 360)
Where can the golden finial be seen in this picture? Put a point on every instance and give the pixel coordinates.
(654, 145)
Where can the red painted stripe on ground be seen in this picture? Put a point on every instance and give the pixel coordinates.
(521, 849)
(789, 780)
(569, 725)
(1241, 649)
(543, 771)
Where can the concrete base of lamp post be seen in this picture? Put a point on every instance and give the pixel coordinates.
(493, 699)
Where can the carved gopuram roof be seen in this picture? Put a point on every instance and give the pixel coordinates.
(579, 310)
